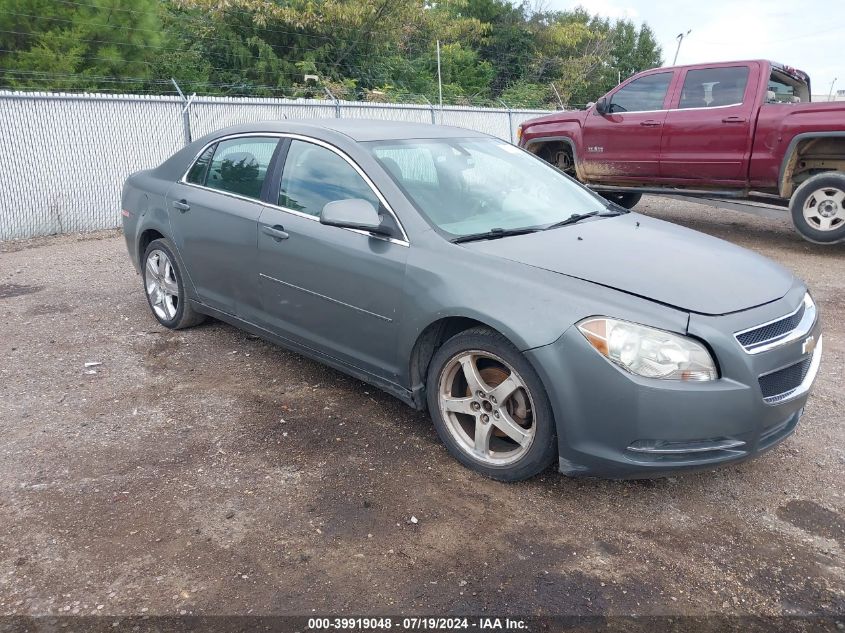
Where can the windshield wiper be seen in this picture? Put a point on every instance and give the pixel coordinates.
(492, 234)
(572, 219)
(613, 209)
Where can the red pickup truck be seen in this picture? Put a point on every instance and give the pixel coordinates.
(736, 129)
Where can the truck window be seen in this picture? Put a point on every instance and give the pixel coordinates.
(642, 95)
(714, 87)
(784, 88)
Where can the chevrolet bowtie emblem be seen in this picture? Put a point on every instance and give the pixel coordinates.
(809, 345)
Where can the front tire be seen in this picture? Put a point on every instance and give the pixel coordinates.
(165, 288)
(489, 406)
(818, 208)
(628, 199)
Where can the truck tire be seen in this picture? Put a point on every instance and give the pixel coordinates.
(627, 200)
(818, 208)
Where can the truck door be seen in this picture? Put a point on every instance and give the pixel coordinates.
(707, 135)
(624, 143)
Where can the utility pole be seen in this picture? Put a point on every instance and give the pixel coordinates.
(830, 94)
(680, 37)
(439, 81)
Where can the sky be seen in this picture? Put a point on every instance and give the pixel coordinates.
(804, 34)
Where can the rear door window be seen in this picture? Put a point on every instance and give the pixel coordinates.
(240, 165)
(714, 87)
(645, 94)
(199, 170)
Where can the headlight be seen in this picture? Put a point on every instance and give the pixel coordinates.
(649, 352)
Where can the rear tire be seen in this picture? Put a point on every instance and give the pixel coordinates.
(628, 199)
(818, 208)
(489, 406)
(165, 288)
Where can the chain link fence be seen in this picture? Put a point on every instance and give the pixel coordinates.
(65, 156)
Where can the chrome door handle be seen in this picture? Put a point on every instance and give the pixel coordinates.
(650, 123)
(277, 232)
(182, 205)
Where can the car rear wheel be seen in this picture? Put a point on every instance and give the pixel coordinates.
(489, 406)
(818, 208)
(628, 199)
(165, 289)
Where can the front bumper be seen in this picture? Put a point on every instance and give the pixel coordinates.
(614, 424)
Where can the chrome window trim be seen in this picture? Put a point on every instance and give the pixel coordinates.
(802, 329)
(729, 105)
(634, 112)
(805, 385)
(405, 241)
(675, 109)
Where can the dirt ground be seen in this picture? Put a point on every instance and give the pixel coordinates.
(208, 472)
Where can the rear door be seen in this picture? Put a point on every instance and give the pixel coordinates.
(708, 132)
(624, 143)
(335, 290)
(214, 213)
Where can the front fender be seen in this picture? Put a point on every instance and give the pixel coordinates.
(530, 306)
(568, 133)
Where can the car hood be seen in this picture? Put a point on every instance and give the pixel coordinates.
(653, 259)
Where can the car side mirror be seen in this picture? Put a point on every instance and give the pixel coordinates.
(353, 213)
(601, 106)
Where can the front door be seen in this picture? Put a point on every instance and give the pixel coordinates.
(708, 135)
(624, 143)
(215, 214)
(335, 290)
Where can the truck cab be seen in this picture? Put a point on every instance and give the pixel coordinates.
(742, 129)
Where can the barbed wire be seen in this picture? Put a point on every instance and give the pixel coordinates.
(56, 80)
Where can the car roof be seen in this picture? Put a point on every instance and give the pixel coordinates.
(344, 133)
(356, 129)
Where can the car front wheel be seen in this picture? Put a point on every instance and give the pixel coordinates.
(489, 406)
(165, 288)
(818, 208)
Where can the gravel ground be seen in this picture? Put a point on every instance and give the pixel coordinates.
(208, 472)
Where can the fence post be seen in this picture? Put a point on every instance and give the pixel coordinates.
(336, 102)
(186, 115)
(510, 119)
(431, 107)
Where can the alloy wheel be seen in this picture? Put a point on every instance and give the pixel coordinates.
(162, 287)
(824, 209)
(487, 407)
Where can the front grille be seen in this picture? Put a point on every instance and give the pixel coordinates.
(771, 331)
(780, 384)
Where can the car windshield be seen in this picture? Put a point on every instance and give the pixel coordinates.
(470, 186)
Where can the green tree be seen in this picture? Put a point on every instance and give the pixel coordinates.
(371, 49)
(99, 44)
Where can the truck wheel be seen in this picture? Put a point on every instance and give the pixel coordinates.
(818, 208)
(560, 157)
(627, 200)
